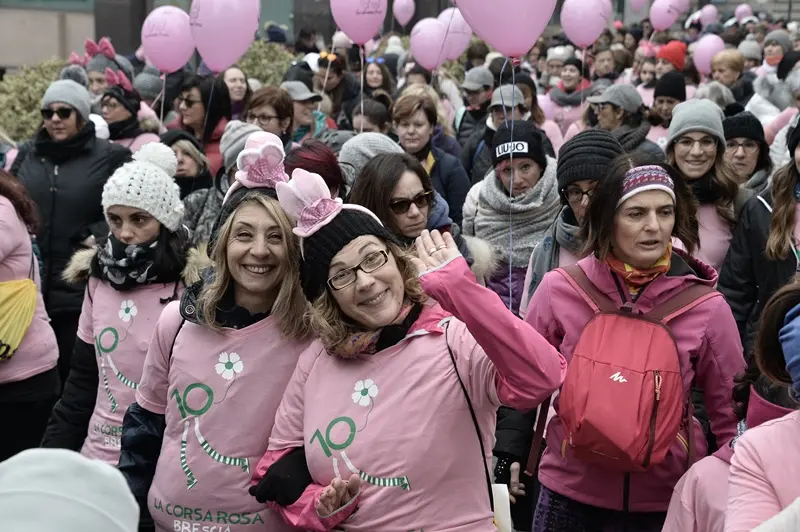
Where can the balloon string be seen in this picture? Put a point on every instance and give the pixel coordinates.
(583, 92)
(361, 49)
(205, 119)
(444, 41)
(163, 96)
(325, 81)
(511, 181)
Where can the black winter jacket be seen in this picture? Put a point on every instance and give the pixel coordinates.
(68, 193)
(450, 180)
(748, 279)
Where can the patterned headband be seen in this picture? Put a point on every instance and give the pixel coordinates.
(644, 178)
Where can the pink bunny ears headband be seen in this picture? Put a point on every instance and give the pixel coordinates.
(118, 79)
(80, 60)
(260, 164)
(307, 200)
(101, 47)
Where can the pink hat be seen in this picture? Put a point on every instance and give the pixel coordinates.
(260, 164)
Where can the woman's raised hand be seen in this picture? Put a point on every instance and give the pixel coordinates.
(434, 249)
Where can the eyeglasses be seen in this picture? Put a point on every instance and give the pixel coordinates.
(261, 119)
(63, 113)
(109, 104)
(372, 262)
(687, 143)
(422, 200)
(379, 60)
(188, 102)
(749, 147)
(575, 195)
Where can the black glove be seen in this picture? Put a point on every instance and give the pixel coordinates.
(502, 471)
(285, 480)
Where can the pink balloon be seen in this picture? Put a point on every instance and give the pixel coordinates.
(582, 21)
(427, 43)
(510, 26)
(403, 11)
(459, 34)
(359, 19)
(167, 38)
(708, 15)
(743, 11)
(638, 5)
(223, 30)
(546, 105)
(606, 9)
(706, 49)
(663, 14)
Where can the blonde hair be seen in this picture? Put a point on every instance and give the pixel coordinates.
(191, 150)
(326, 105)
(290, 305)
(331, 325)
(441, 114)
(781, 227)
(729, 58)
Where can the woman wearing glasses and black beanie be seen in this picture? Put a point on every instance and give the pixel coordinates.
(64, 170)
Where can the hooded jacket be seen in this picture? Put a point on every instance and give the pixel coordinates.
(748, 279)
(771, 97)
(710, 356)
(450, 180)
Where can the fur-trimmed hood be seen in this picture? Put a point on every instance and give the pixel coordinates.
(79, 267)
(484, 259)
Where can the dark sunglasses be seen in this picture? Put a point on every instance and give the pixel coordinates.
(188, 102)
(63, 113)
(423, 200)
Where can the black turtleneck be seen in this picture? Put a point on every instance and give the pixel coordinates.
(60, 151)
(422, 154)
(190, 184)
(124, 129)
(705, 189)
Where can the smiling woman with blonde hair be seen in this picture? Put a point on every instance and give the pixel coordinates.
(225, 351)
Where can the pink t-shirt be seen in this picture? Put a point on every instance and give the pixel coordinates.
(203, 471)
(658, 134)
(38, 351)
(715, 237)
(119, 325)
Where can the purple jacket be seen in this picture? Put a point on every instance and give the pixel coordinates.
(445, 143)
(498, 284)
(710, 355)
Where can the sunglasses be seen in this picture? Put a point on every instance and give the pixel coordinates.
(422, 200)
(63, 113)
(379, 60)
(188, 102)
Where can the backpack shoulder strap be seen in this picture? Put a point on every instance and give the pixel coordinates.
(538, 436)
(597, 300)
(682, 302)
(478, 150)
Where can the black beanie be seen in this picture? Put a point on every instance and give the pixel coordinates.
(130, 100)
(527, 143)
(577, 63)
(793, 140)
(586, 156)
(744, 125)
(320, 248)
(671, 85)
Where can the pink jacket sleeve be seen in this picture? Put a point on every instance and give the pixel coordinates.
(529, 369)
(720, 359)
(779, 123)
(751, 497)
(526, 296)
(9, 228)
(553, 133)
(152, 393)
(540, 312)
(287, 434)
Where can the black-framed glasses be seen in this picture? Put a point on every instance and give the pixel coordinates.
(371, 262)
(575, 195)
(425, 199)
(749, 146)
(63, 113)
(261, 119)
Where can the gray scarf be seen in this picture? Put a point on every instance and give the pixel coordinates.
(758, 181)
(631, 137)
(527, 216)
(545, 257)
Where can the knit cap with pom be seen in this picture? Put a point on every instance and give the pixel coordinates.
(146, 183)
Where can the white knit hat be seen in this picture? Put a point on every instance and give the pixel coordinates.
(146, 183)
(56, 489)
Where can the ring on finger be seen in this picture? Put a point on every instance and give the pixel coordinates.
(441, 247)
(432, 251)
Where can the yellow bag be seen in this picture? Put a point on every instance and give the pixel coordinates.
(17, 306)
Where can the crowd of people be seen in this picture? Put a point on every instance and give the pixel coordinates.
(568, 281)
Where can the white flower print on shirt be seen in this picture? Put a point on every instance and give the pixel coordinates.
(229, 365)
(127, 310)
(365, 392)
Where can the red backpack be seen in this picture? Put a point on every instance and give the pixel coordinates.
(622, 401)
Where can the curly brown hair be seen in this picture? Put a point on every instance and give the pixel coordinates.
(15, 192)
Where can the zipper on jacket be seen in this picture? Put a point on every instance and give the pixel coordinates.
(653, 416)
(49, 266)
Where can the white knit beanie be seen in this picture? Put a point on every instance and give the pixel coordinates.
(146, 183)
(55, 489)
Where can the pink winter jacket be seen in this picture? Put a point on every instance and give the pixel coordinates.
(566, 116)
(137, 142)
(711, 354)
(764, 473)
(700, 498)
(554, 134)
(399, 418)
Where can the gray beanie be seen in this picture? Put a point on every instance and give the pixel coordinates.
(750, 50)
(781, 37)
(71, 93)
(696, 115)
(233, 139)
(148, 83)
(360, 150)
(76, 73)
(100, 63)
